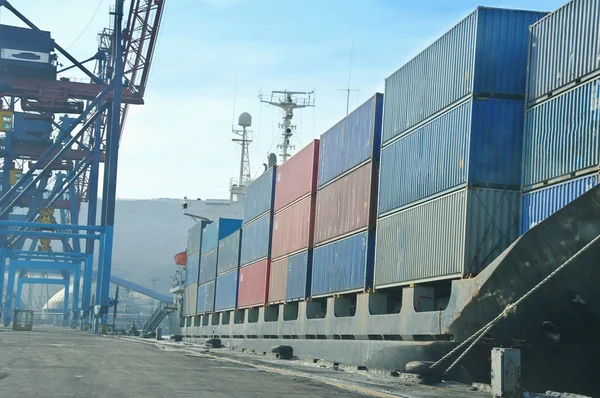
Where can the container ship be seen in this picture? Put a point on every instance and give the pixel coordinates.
(426, 213)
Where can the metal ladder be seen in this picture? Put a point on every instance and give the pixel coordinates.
(157, 317)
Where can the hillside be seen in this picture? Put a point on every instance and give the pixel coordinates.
(148, 233)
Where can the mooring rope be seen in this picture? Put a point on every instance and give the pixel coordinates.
(509, 310)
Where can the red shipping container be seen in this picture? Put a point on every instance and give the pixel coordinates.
(347, 205)
(293, 228)
(277, 280)
(253, 284)
(297, 177)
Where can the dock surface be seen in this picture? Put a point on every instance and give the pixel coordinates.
(61, 362)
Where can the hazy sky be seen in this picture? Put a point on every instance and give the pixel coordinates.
(179, 143)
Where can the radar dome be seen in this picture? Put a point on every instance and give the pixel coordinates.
(245, 120)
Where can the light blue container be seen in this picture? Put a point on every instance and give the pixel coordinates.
(206, 298)
(192, 267)
(542, 203)
(564, 47)
(195, 237)
(561, 137)
(256, 240)
(351, 142)
(260, 195)
(229, 252)
(299, 276)
(226, 291)
(217, 230)
(343, 266)
(208, 266)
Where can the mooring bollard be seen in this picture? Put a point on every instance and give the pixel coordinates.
(506, 373)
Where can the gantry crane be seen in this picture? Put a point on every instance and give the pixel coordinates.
(55, 134)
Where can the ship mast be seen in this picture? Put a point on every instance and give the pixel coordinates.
(244, 138)
(288, 101)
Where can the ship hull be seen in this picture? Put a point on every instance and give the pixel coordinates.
(556, 327)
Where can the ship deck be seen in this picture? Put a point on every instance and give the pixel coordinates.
(59, 362)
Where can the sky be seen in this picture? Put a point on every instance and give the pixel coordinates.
(214, 57)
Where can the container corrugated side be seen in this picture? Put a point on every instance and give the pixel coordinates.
(293, 228)
(192, 266)
(564, 47)
(206, 298)
(201, 299)
(451, 236)
(299, 275)
(190, 299)
(208, 266)
(227, 291)
(256, 240)
(345, 265)
(297, 177)
(351, 142)
(484, 53)
(346, 205)
(195, 237)
(260, 195)
(253, 284)
(476, 143)
(217, 230)
(561, 136)
(229, 252)
(542, 203)
(277, 280)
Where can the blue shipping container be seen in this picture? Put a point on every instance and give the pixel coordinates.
(477, 143)
(260, 195)
(542, 203)
(298, 276)
(195, 237)
(561, 135)
(564, 47)
(208, 266)
(229, 252)
(217, 230)
(192, 265)
(343, 266)
(486, 53)
(351, 142)
(227, 291)
(206, 298)
(256, 240)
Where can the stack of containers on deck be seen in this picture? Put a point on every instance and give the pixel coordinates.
(293, 226)
(451, 157)
(255, 252)
(562, 122)
(192, 265)
(211, 236)
(228, 267)
(346, 202)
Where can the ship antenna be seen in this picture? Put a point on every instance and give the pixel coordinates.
(348, 89)
(288, 101)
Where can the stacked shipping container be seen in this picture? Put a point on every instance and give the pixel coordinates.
(192, 266)
(293, 226)
(255, 251)
(452, 139)
(560, 159)
(346, 202)
(228, 267)
(212, 235)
